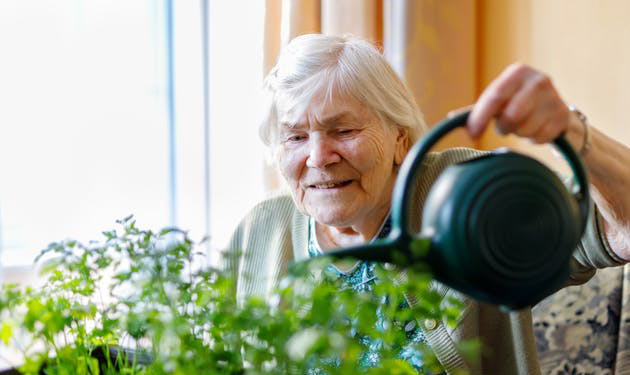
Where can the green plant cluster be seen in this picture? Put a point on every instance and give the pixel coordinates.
(152, 292)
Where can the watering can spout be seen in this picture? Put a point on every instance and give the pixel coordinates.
(393, 250)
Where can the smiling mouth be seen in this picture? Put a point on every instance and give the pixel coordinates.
(332, 185)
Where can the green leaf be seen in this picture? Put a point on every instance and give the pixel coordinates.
(191, 318)
(5, 333)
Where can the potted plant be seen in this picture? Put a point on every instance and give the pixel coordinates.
(144, 302)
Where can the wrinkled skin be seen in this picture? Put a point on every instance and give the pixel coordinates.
(340, 163)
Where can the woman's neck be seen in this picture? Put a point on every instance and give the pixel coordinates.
(331, 237)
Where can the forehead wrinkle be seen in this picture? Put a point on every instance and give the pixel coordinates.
(331, 120)
(312, 114)
(315, 118)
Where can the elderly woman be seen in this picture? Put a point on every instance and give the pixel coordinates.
(340, 123)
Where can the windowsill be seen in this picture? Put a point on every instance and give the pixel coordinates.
(20, 274)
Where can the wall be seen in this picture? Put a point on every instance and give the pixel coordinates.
(582, 44)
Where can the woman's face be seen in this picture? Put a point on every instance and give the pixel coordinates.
(340, 162)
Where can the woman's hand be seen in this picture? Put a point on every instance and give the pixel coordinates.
(524, 102)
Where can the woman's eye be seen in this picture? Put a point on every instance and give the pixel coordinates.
(345, 131)
(296, 138)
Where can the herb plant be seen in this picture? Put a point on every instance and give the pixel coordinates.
(148, 302)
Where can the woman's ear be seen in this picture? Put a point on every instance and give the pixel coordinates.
(402, 144)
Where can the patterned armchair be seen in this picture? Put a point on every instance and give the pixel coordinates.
(585, 329)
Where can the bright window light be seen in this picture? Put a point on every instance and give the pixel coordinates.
(84, 135)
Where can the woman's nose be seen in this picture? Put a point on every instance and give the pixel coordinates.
(321, 153)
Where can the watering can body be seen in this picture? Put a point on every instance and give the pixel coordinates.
(500, 228)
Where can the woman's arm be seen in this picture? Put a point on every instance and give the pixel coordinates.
(524, 102)
(608, 167)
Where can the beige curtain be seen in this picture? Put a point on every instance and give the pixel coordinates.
(432, 45)
(286, 19)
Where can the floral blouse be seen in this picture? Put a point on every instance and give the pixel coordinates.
(361, 278)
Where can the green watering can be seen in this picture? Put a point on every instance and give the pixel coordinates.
(500, 228)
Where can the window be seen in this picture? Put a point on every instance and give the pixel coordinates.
(87, 135)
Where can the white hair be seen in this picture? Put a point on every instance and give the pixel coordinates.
(316, 64)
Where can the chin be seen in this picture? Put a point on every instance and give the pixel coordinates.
(332, 219)
(337, 215)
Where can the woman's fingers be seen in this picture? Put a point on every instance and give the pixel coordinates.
(494, 98)
(523, 101)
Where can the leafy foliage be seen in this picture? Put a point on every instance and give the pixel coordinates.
(150, 292)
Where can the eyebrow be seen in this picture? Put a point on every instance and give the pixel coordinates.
(327, 121)
(337, 117)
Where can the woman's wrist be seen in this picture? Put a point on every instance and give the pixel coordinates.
(584, 140)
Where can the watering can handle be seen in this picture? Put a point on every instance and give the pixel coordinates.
(403, 190)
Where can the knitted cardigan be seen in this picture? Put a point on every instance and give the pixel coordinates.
(275, 233)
